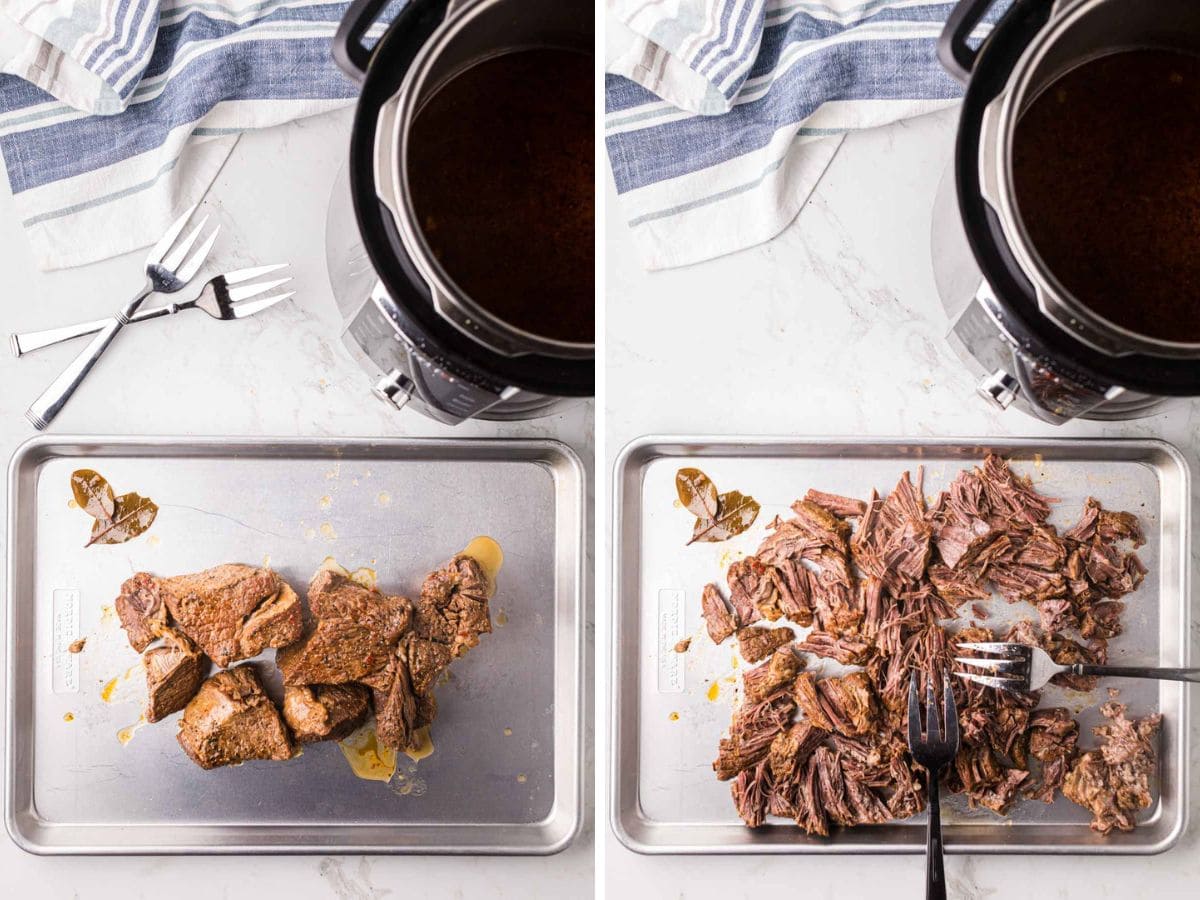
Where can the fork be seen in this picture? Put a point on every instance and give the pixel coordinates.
(217, 299)
(935, 751)
(167, 270)
(1025, 668)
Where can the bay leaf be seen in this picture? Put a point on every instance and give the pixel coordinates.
(697, 493)
(93, 493)
(132, 515)
(737, 513)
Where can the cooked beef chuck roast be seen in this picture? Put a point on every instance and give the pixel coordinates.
(821, 750)
(141, 610)
(231, 720)
(174, 671)
(756, 644)
(1113, 782)
(355, 636)
(448, 620)
(232, 611)
(717, 617)
(324, 712)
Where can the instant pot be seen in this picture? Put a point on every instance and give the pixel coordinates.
(1031, 342)
(423, 341)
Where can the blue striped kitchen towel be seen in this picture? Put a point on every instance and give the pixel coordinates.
(722, 115)
(116, 114)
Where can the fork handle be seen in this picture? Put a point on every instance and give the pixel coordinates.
(1137, 672)
(43, 410)
(935, 874)
(29, 341)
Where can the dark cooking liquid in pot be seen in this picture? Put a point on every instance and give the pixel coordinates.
(501, 168)
(1106, 164)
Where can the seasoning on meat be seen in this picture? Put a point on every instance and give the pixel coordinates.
(232, 720)
(355, 635)
(233, 611)
(822, 749)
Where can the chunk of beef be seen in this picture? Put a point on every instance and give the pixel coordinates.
(750, 792)
(804, 691)
(821, 525)
(233, 611)
(453, 608)
(754, 727)
(791, 748)
(749, 585)
(355, 636)
(847, 649)
(324, 712)
(717, 617)
(810, 810)
(849, 703)
(776, 673)
(756, 644)
(141, 610)
(794, 585)
(960, 542)
(846, 507)
(1052, 738)
(232, 720)
(1113, 782)
(174, 671)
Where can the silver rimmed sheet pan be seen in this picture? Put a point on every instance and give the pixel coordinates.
(504, 776)
(667, 716)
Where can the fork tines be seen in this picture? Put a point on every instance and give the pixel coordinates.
(939, 745)
(1014, 663)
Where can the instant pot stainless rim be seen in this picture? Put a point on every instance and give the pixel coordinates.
(1054, 298)
(479, 324)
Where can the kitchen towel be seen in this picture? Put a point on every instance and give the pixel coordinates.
(722, 115)
(116, 114)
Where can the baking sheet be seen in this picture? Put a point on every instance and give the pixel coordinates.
(667, 715)
(504, 775)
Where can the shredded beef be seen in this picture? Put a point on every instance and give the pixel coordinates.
(1113, 782)
(822, 750)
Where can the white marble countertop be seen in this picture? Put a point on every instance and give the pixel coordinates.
(284, 372)
(834, 328)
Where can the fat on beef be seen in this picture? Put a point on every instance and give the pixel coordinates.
(324, 712)
(174, 671)
(233, 611)
(232, 720)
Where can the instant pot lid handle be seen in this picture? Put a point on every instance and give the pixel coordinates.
(955, 54)
(349, 52)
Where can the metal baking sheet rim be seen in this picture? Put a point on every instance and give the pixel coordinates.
(625, 816)
(552, 835)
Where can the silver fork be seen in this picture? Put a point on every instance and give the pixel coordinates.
(218, 298)
(935, 751)
(167, 270)
(1024, 668)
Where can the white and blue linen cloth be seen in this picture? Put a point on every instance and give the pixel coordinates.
(116, 114)
(722, 115)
